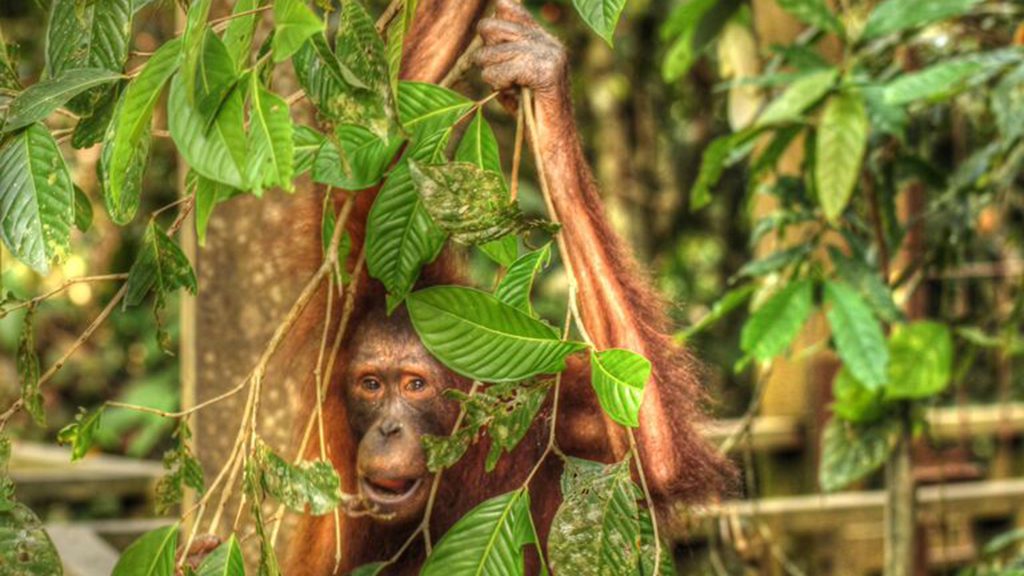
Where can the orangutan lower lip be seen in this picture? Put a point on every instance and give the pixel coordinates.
(390, 491)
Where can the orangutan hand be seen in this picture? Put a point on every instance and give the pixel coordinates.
(517, 52)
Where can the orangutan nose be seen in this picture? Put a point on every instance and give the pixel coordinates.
(390, 427)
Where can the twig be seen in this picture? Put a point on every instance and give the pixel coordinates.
(647, 497)
(389, 14)
(517, 152)
(295, 97)
(463, 64)
(226, 19)
(64, 286)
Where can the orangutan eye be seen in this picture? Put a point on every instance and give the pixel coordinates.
(416, 385)
(371, 384)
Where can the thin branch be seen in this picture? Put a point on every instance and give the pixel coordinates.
(463, 64)
(64, 286)
(226, 19)
(389, 14)
(647, 497)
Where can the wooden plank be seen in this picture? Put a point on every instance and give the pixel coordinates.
(821, 513)
(42, 471)
(82, 550)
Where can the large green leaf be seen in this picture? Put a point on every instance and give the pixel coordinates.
(88, 35)
(160, 266)
(852, 451)
(396, 40)
(479, 146)
(800, 95)
(596, 530)
(949, 77)
(814, 12)
(218, 153)
(921, 360)
(857, 335)
(126, 143)
(307, 144)
(25, 547)
(238, 36)
(619, 377)
(37, 199)
(773, 326)
(215, 77)
(90, 129)
(40, 100)
(328, 84)
(429, 112)
(517, 283)
(487, 540)
(601, 15)
(841, 142)
(294, 23)
(357, 162)
(898, 15)
(151, 555)
(482, 338)
(400, 235)
(469, 203)
(225, 560)
(192, 39)
(311, 487)
(272, 154)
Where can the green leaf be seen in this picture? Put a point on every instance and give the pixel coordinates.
(775, 261)
(83, 210)
(841, 142)
(208, 193)
(482, 338)
(469, 203)
(429, 112)
(28, 369)
(854, 402)
(215, 78)
(515, 287)
(948, 78)
(151, 555)
(129, 134)
(88, 35)
(487, 540)
(601, 15)
(329, 84)
(512, 417)
(667, 565)
(238, 36)
(851, 452)
(272, 153)
(294, 22)
(362, 50)
(857, 335)
(396, 40)
(40, 100)
(619, 377)
(37, 199)
(712, 165)
(311, 487)
(898, 15)
(25, 547)
(400, 237)
(801, 94)
(921, 362)
(192, 40)
(359, 162)
(81, 433)
(868, 282)
(814, 12)
(307, 143)
(479, 145)
(160, 266)
(218, 153)
(90, 129)
(773, 326)
(225, 560)
(596, 530)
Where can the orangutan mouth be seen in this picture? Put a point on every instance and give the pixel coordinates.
(390, 490)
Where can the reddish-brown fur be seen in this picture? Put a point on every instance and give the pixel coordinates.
(619, 310)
